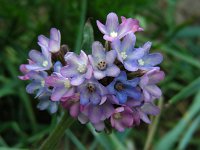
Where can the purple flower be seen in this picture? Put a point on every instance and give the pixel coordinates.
(112, 29)
(96, 114)
(46, 104)
(92, 91)
(122, 118)
(122, 88)
(135, 58)
(61, 86)
(53, 43)
(141, 110)
(38, 83)
(78, 68)
(148, 84)
(135, 24)
(103, 62)
(72, 104)
(39, 61)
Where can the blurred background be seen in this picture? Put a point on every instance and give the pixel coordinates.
(172, 25)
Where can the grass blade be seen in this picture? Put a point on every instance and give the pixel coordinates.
(187, 91)
(189, 133)
(168, 141)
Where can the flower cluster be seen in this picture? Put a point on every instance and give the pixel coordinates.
(114, 87)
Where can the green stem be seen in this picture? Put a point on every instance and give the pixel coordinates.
(153, 127)
(81, 26)
(51, 142)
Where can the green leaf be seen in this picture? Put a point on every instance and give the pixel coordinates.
(88, 37)
(187, 91)
(81, 25)
(75, 140)
(169, 140)
(189, 32)
(189, 133)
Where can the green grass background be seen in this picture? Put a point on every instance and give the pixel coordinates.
(172, 26)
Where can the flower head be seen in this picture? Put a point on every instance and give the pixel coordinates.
(92, 91)
(52, 44)
(112, 29)
(122, 88)
(78, 68)
(103, 62)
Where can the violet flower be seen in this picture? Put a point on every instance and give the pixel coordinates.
(135, 58)
(72, 104)
(148, 84)
(98, 113)
(61, 86)
(135, 24)
(112, 29)
(122, 118)
(38, 83)
(141, 110)
(126, 53)
(39, 61)
(92, 91)
(52, 44)
(103, 62)
(78, 68)
(46, 104)
(122, 88)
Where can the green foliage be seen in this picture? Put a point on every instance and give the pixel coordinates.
(22, 126)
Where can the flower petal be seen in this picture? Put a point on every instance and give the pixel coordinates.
(101, 27)
(54, 46)
(112, 71)
(84, 98)
(153, 59)
(36, 56)
(99, 74)
(58, 93)
(112, 22)
(121, 96)
(43, 41)
(111, 56)
(98, 51)
(55, 34)
(77, 80)
(69, 71)
(31, 87)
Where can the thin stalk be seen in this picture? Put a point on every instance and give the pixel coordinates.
(81, 26)
(152, 129)
(51, 142)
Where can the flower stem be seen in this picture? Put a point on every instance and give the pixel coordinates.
(51, 142)
(152, 129)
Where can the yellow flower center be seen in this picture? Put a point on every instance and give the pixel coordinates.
(141, 62)
(81, 68)
(113, 34)
(67, 84)
(45, 63)
(123, 55)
